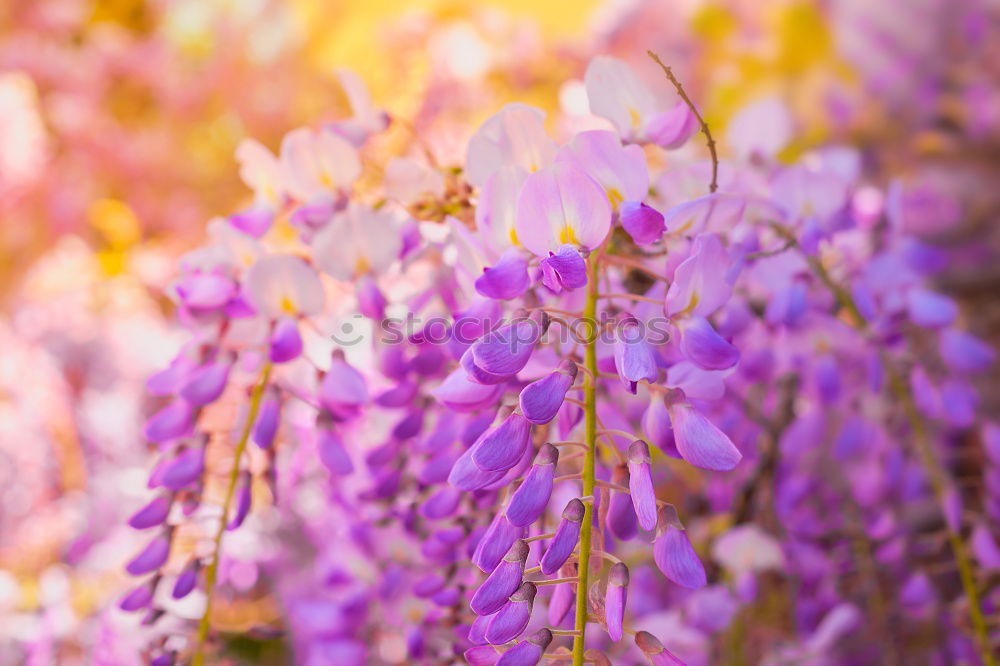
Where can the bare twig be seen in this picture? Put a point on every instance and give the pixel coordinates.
(714, 185)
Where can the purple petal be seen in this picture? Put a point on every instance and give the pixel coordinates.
(477, 374)
(343, 388)
(563, 599)
(702, 283)
(501, 448)
(634, 357)
(641, 484)
(506, 350)
(468, 476)
(266, 425)
(530, 499)
(656, 425)
(700, 442)
(528, 652)
(676, 558)
(477, 632)
(643, 223)
(495, 543)
(621, 520)
(502, 582)
(398, 396)
(152, 557)
(171, 422)
(705, 347)
(481, 655)
(185, 469)
(207, 383)
(461, 394)
(964, 352)
(654, 651)
(506, 279)
(671, 129)
(564, 269)
(205, 291)
(930, 309)
(332, 453)
(540, 400)
(615, 600)
(511, 621)
(186, 581)
(441, 504)
(371, 301)
(152, 514)
(244, 499)
(254, 221)
(286, 342)
(136, 599)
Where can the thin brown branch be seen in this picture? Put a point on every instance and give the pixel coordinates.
(714, 185)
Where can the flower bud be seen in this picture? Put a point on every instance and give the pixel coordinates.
(531, 498)
(528, 652)
(503, 582)
(495, 543)
(136, 599)
(673, 553)
(500, 449)
(207, 383)
(635, 359)
(186, 580)
(540, 400)
(700, 442)
(621, 519)
(243, 501)
(286, 341)
(266, 425)
(640, 483)
(511, 620)
(151, 558)
(615, 599)
(171, 422)
(566, 537)
(654, 651)
(152, 514)
(332, 453)
(185, 469)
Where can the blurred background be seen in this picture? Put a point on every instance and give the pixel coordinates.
(118, 124)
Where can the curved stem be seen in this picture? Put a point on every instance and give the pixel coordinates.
(590, 439)
(714, 184)
(212, 571)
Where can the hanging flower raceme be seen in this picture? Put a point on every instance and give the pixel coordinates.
(468, 476)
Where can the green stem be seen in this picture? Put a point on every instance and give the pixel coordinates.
(212, 571)
(935, 471)
(590, 439)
